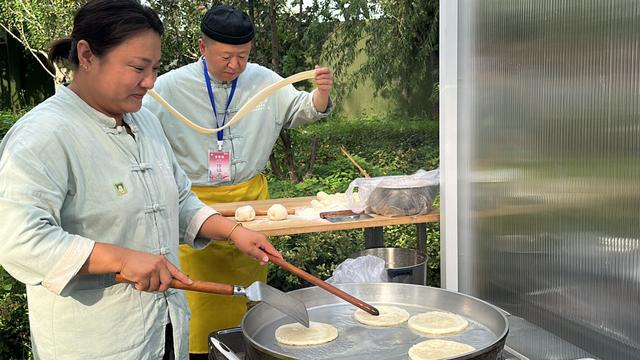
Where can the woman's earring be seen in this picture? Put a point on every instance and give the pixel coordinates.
(85, 66)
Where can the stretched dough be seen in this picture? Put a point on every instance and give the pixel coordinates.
(277, 212)
(245, 109)
(245, 213)
(438, 323)
(389, 316)
(438, 349)
(298, 335)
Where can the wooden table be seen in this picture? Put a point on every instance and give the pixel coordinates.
(299, 225)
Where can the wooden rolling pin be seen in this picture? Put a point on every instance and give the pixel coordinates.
(324, 285)
(259, 212)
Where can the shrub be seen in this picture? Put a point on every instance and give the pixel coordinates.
(14, 319)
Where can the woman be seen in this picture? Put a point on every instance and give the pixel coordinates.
(89, 187)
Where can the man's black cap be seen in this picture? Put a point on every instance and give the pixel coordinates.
(228, 25)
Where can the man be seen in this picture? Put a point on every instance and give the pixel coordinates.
(227, 166)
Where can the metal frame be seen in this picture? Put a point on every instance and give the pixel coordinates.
(449, 144)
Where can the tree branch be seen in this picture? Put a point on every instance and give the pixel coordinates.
(312, 158)
(288, 156)
(26, 45)
(275, 167)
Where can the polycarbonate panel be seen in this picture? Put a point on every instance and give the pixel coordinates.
(549, 165)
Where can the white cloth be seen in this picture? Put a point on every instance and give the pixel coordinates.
(69, 178)
(250, 140)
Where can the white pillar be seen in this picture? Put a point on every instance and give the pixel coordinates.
(449, 144)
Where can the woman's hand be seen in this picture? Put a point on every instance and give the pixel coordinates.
(254, 244)
(151, 272)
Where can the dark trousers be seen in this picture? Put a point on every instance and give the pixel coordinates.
(198, 356)
(168, 343)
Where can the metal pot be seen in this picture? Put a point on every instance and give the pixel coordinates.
(487, 331)
(403, 265)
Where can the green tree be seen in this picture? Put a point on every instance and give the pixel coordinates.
(36, 23)
(400, 44)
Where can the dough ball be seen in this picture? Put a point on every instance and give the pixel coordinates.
(438, 349)
(323, 196)
(316, 204)
(277, 212)
(389, 316)
(298, 335)
(438, 323)
(245, 213)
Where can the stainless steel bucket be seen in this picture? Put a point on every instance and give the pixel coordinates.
(405, 266)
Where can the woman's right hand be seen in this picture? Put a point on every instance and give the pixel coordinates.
(150, 272)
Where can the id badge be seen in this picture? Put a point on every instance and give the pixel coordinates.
(219, 166)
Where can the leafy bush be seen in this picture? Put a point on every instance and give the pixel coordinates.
(7, 119)
(14, 319)
(383, 145)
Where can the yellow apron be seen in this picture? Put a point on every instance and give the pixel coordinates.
(220, 262)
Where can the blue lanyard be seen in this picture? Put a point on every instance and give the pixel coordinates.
(207, 81)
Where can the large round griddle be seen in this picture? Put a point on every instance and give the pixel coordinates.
(487, 329)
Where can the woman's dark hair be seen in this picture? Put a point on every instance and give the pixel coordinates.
(105, 24)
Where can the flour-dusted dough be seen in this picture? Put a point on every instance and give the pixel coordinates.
(438, 349)
(438, 323)
(322, 196)
(389, 316)
(277, 212)
(245, 213)
(316, 204)
(298, 335)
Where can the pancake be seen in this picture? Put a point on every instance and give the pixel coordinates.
(389, 316)
(297, 335)
(438, 323)
(438, 349)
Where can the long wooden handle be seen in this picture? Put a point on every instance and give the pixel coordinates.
(200, 286)
(324, 285)
(244, 110)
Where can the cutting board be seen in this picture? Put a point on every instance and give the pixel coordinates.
(298, 225)
(264, 205)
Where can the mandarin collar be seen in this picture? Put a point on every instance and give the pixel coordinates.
(102, 119)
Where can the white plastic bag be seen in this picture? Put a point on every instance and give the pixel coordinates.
(363, 269)
(402, 195)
